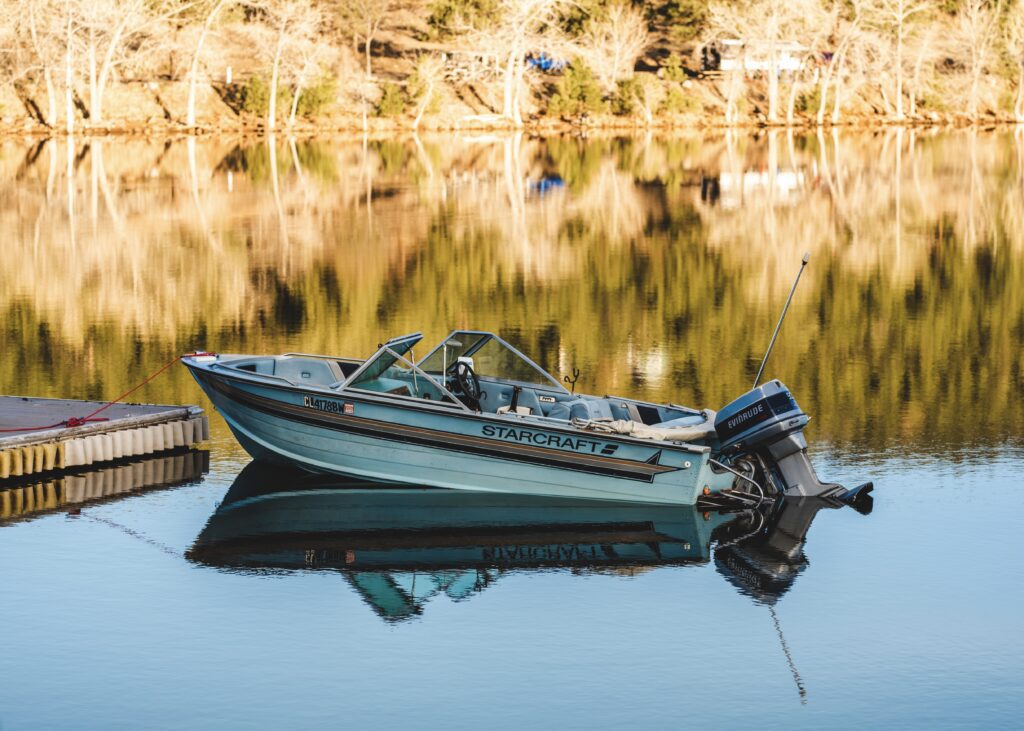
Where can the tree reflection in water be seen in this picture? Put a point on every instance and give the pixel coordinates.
(656, 266)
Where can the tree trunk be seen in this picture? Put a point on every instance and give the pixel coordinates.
(837, 104)
(819, 118)
(108, 63)
(517, 91)
(69, 76)
(272, 109)
(509, 100)
(51, 98)
(1018, 107)
(295, 101)
(899, 70)
(423, 107)
(791, 103)
(91, 56)
(369, 46)
(773, 84)
(975, 83)
(193, 71)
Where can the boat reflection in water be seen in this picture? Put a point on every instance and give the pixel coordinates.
(400, 546)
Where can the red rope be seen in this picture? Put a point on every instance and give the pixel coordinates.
(79, 421)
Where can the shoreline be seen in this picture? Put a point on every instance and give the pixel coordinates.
(541, 127)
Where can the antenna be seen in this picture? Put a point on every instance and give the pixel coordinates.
(764, 362)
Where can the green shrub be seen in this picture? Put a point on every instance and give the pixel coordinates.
(392, 101)
(577, 92)
(255, 97)
(685, 18)
(628, 95)
(809, 101)
(673, 67)
(318, 95)
(445, 15)
(678, 102)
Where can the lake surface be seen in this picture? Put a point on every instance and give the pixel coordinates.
(201, 597)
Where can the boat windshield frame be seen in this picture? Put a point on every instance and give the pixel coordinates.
(483, 338)
(394, 357)
(384, 349)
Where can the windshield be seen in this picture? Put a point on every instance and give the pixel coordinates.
(491, 357)
(384, 359)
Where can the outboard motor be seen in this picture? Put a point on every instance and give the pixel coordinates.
(767, 422)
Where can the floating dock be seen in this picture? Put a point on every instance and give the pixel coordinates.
(126, 431)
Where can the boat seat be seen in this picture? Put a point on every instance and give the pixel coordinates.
(308, 370)
(588, 409)
(689, 420)
(502, 401)
(386, 385)
(699, 426)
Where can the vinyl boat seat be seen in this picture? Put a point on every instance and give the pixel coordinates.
(582, 408)
(500, 401)
(689, 420)
(308, 371)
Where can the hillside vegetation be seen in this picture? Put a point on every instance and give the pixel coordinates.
(363, 64)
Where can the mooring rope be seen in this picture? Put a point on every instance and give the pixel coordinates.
(79, 421)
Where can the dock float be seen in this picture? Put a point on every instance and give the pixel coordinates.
(40, 435)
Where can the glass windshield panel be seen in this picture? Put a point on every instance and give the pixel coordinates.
(378, 364)
(491, 357)
(447, 354)
(496, 360)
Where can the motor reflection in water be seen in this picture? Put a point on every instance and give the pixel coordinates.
(400, 546)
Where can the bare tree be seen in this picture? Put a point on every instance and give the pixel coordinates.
(104, 25)
(306, 58)
(291, 23)
(521, 26)
(844, 36)
(924, 51)
(44, 31)
(69, 75)
(613, 41)
(429, 75)
(764, 22)
(365, 19)
(895, 20)
(212, 9)
(812, 24)
(973, 38)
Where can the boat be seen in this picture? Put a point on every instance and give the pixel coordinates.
(476, 414)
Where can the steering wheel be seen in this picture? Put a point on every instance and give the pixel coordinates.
(468, 383)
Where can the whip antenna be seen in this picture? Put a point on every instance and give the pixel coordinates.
(803, 263)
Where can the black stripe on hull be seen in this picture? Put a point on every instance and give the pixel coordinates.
(447, 441)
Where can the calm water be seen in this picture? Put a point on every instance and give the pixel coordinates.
(203, 598)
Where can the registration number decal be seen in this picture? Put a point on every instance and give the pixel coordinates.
(331, 407)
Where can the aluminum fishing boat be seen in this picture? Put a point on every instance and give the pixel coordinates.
(477, 414)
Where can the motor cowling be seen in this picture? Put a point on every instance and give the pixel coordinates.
(767, 422)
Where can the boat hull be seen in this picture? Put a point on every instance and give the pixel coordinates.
(370, 437)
